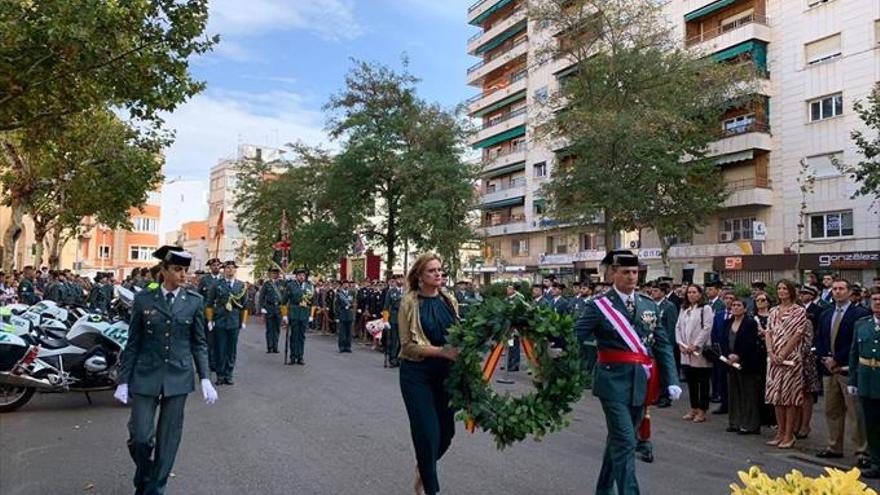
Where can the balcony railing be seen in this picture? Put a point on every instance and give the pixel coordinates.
(513, 78)
(503, 50)
(503, 220)
(504, 117)
(489, 158)
(743, 184)
(726, 28)
(476, 5)
(745, 128)
(504, 185)
(472, 38)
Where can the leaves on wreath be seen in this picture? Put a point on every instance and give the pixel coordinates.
(558, 381)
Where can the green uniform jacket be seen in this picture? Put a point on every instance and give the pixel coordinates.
(343, 307)
(162, 344)
(26, 292)
(297, 292)
(626, 382)
(668, 319)
(866, 344)
(221, 293)
(54, 292)
(392, 303)
(271, 297)
(205, 284)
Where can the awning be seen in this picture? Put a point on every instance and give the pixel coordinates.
(735, 157)
(501, 38)
(539, 201)
(568, 71)
(500, 138)
(504, 203)
(708, 9)
(491, 10)
(503, 103)
(734, 51)
(516, 167)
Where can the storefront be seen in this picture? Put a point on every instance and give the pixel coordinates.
(855, 266)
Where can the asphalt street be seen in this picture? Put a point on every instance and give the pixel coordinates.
(338, 426)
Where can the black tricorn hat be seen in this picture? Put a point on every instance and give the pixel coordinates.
(230, 263)
(174, 255)
(214, 260)
(300, 270)
(809, 289)
(620, 257)
(274, 269)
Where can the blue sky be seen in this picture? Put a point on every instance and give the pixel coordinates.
(280, 60)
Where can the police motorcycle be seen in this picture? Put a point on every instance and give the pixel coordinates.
(34, 357)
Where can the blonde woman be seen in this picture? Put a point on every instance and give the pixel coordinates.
(426, 313)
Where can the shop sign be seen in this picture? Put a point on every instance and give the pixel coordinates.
(733, 263)
(650, 254)
(849, 260)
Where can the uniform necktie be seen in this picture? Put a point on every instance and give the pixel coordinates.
(835, 325)
(170, 298)
(631, 306)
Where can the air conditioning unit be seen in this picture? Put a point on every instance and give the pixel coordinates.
(634, 244)
(726, 236)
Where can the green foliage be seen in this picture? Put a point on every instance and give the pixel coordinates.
(558, 381)
(867, 172)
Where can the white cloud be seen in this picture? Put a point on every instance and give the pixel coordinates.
(329, 19)
(450, 10)
(212, 125)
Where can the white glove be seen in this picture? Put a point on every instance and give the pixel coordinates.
(310, 319)
(284, 320)
(210, 326)
(244, 326)
(121, 393)
(263, 311)
(208, 391)
(852, 390)
(674, 392)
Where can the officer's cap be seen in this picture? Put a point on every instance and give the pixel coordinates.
(173, 255)
(809, 289)
(620, 257)
(715, 283)
(213, 261)
(274, 269)
(300, 270)
(231, 263)
(200, 272)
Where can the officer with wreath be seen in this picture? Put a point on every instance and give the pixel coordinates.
(631, 359)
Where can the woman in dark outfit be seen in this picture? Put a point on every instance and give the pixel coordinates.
(425, 315)
(739, 343)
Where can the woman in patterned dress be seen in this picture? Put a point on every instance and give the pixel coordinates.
(786, 387)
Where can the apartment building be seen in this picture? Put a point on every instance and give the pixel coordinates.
(813, 59)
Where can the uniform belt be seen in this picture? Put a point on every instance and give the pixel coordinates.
(652, 392)
(871, 363)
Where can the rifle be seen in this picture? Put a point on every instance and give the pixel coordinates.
(286, 341)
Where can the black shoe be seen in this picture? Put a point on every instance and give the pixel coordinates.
(872, 472)
(229, 381)
(732, 429)
(720, 410)
(664, 403)
(300, 362)
(646, 457)
(290, 363)
(743, 431)
(268, 351)
(828, 454)
(864, 463)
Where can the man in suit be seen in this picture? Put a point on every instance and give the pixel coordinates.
(826, 298)
(205, 284)
(227, 312)
(719, 369)
(393, 297)
(833, 346)
(272, 299)
(166, 335)
(344, 316)
(301, 293)
(864, 379)
(632, 358)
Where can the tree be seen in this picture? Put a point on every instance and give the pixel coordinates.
(93, 165)
(867, 172)
(634, 119)
(400, 163)
(61, 58)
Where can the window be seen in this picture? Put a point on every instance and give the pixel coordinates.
(877, 31)
(518, 145)
(826, 107)
(556, 244)
(738, 125)
(826, 225)
(104, 252)
(592, 241)
(154, 198)
(142, 224)
(735, 229)
(141, 253)
(823, 50)
(519, 247)
(540, 169)
(541, 94)
(823, 165)
(539, 207)
(493, 248)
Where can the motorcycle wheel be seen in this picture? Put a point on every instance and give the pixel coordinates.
(12, 398)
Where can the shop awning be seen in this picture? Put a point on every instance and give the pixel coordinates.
(504, 203)
(516, 167)
(503, 103)
(500, 138)
(501, 38)
(708, 9)
(735, 157)
(491, 10)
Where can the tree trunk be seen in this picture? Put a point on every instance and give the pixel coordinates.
(609, 232)
(55, 248)
(390, 241)
(664, 253)
(39, 248)
(15, 223)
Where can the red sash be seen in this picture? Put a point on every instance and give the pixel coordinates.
(626, 357)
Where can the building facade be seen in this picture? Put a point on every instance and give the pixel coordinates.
(813, 59)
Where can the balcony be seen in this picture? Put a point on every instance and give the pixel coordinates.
(751, 27)
(503, 190)
(498, 93)
(754, 135)
(509, 26)
(507, 53)
(501, 124)
(505, 224)
(495, 161)
(480, 10)
(755, 191)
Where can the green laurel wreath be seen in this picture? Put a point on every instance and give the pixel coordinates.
(558, 381)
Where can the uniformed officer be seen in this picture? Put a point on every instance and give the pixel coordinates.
(226, 312)
(864, 379)
(392, 304)
(300, 295)
(205, 284)
(166, 335)
(668, 319)
(27, 293)
(272, 299)
(631, 358)
(98, 301)
(344, 316)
